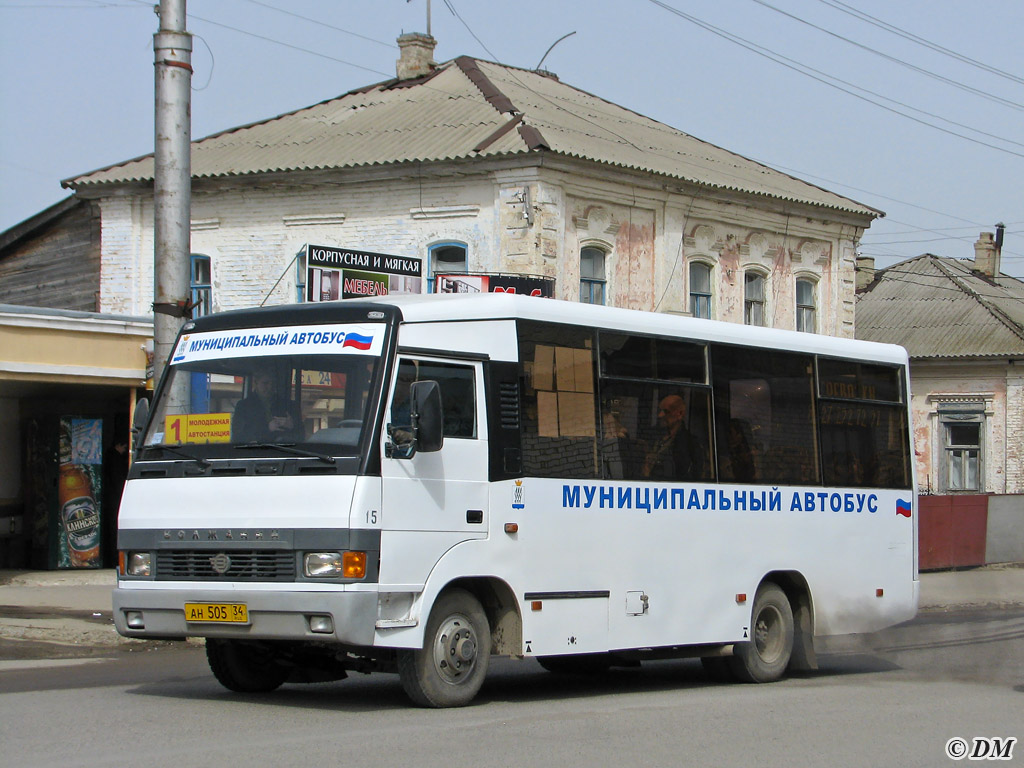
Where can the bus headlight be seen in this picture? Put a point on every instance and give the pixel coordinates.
(322, 564)
(139, 564)
(326, 565)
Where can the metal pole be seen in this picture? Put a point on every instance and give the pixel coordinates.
(172, 49)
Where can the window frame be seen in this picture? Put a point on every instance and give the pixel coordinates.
(802, 309)
(700, 297)
(432, 251)
(200, 292)
(749, 303)
(592, 283)
(300, 275)
(958, 414)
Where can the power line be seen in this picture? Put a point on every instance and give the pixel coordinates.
(866, 17)
(288, 45)
(320, 23)
(818, 75)
(895, 60)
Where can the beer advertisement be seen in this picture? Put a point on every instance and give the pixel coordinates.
(79, 493)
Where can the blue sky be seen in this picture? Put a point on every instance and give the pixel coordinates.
(76, 88)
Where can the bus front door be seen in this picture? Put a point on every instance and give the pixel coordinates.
(433, 501)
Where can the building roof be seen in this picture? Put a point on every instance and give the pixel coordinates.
(940, 308)
(467, 108)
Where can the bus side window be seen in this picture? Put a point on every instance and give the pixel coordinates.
(458, 394)
(458, 400)
(764, 416)
(400, 403)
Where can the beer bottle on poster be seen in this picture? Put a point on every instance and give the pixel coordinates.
(79, 517)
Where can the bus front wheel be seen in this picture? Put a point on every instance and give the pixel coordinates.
(765, 656)
(450, 668)
(245, 667)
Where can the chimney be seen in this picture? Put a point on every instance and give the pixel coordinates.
(986, 255)
(417, 55)
(865, 272)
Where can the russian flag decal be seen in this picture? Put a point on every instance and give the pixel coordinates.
(357, 341)
(902, 507)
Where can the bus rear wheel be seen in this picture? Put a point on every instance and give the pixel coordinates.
(450, 668)
(765, 656)
(245, 667)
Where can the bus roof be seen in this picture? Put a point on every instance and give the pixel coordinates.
(430, 308)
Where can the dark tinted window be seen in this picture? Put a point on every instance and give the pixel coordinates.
(764, 416)
(863, 441)
(646, 357)
(458, 394)
(858, 381)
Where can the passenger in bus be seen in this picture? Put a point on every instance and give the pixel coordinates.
(265, 415)
(740, 464)
(676, 453)
(619, 451)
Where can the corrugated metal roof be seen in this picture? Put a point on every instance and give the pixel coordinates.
(456, 113)
(941, 307)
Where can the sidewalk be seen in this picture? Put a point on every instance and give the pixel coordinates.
(73, 607)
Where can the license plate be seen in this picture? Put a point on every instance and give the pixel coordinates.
(226, 613)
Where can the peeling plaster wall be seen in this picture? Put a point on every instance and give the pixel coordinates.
(999, 386)
(525, 219)
(252, 234)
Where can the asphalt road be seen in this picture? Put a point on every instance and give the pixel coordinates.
(894, 698)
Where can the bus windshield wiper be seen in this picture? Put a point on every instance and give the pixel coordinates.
(288, 448)
(184, 454)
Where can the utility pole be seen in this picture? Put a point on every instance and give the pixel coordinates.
(172, 187)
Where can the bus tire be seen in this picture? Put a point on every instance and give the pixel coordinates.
(450, 668)
(765, 656)
(245, 667)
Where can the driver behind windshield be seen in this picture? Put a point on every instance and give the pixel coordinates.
(265, 415)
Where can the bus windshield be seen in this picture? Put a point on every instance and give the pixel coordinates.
(296, 386)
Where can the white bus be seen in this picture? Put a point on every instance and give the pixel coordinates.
(417, 483)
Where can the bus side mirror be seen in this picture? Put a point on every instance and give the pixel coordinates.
(427, 416)
(139, 421)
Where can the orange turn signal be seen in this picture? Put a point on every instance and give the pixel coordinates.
(511, 527)
(879, 592)
(536, 605)
(353, 565)
(741, 597)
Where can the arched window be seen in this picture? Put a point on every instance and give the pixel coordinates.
(201, 285)
(753, 298)
(700, 290)
(446, 258)
(592, 279)
(806, 306)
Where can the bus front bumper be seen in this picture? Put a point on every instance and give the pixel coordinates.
(336, 616)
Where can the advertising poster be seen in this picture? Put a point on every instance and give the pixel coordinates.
(79, 492)
(342, 273)
(524, 285)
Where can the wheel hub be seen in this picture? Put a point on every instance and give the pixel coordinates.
(768, 634)
(455, 649)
